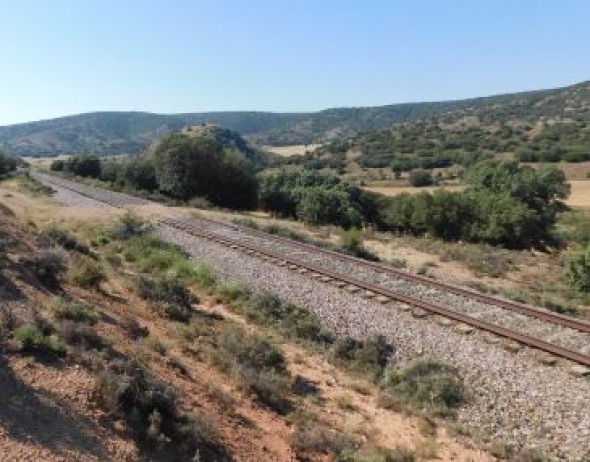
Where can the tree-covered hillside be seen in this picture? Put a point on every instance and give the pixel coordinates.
(109, 133)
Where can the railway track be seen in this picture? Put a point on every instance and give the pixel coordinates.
(300, 256)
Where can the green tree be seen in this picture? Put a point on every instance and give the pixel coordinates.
(419, 178)
(188, 167)
(7, 163)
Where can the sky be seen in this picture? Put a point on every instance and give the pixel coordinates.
(63, 57)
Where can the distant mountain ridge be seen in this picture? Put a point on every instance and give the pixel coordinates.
(111, 133)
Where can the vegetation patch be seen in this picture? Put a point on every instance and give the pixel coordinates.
(426, 385)
(86, 272)
(258, 366)
(151, 409)
(39, 338)
(368, 357)
(65, 310)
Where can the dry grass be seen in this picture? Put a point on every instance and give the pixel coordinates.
(580, 195)
(292, 150)
(395, 190)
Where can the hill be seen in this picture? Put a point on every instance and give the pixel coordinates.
(541, 127)
(110, 133)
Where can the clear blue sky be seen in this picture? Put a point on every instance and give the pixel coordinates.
(63, 57)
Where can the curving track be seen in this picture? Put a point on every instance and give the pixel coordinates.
(553, 333)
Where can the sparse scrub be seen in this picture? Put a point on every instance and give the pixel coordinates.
(86, 272)
(317, 438)
(81, 335)
(151, 409)
(231, 292)
(351, 243)
(268, 309)
(72, 311)
(64, 239)
(127, 227)
(32, 187)
(46, 266)
(258, 366)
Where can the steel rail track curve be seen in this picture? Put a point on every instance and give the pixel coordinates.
(431, 307)
(521, 308)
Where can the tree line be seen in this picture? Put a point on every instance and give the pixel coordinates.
(504, 204)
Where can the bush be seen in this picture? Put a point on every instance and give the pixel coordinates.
(267, 308)
(258, 366)
(81, 335)
(86, 272)
(65, 240)
(72, 311)
(7, 163)
(316, 438)
(127, 227)
(367, 357)
(351, 243)
(420, 178)
(188, 167)
(150, 408)
(577, 269)
(33, 338)
(46, 266)
(233, 292)
(427, 384)
(193, 273)
(167, 290)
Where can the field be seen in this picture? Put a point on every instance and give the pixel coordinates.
(395, 190)
(579, 197)
(292, 150)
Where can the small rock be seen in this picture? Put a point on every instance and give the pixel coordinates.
(579, 371)
(464, 329)
(419, 313)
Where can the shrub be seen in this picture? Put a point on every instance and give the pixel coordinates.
(351, 243)
(81, 335)
(150, 408)
(127, 227)
(267, 308)
(193, 273)
(232, 292)
(35, 338)
(167, 290)
(72, 311)
(65, 240)
(577, 269)
(369, 356)
(319, 439)
(47, 266)
(420, 178)
(427, 384)
(86, 272)
(258, 366)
